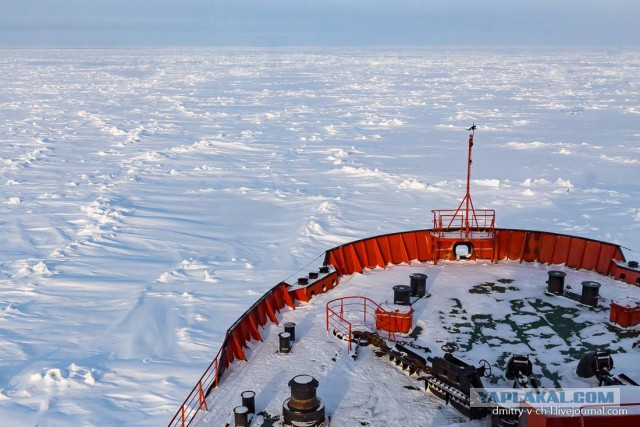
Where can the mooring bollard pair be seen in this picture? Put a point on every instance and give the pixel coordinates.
(590, 290)
(241, 413)
(417, 288)
(287, 337)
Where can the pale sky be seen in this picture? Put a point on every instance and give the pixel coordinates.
(105, 23)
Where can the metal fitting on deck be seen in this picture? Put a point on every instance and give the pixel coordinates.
(303, 407)
(555, 284)
(284, 342)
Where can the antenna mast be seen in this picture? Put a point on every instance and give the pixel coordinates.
(467, 196)
(466, 221)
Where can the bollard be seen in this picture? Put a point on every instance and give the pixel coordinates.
(590, 293)
(418, 284)
(401, 295)
(285, 342)
(555, 284)
(249, 401)
(303, 408)
(241, 416)
(290, 327)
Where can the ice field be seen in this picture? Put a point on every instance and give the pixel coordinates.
(148, 197)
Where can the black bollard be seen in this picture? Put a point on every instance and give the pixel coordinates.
(418, 284)
(285, 342)
(590, 293)
(290, 327)
(249, 401)
(241, 416)
(555, 284)
(401, 295)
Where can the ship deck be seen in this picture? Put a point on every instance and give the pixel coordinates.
(490, 310)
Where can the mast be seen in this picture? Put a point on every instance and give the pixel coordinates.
(467, 197)
(465, 220)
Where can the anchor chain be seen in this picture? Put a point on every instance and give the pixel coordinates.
(378, 341)
(412, 344)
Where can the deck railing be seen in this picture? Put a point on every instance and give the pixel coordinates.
(242, 331)
(348, 313)
(197, 399)
(455, 223)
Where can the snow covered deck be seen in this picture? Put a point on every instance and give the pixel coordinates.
(490, 310)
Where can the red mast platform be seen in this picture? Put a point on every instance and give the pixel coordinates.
(465, 231)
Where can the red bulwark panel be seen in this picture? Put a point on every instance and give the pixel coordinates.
(301, 295)
(411, 245)
(236, 343)
(531, 247)
(502, 240)
(346, 265)
(269, 305)
(244, 328)
(516, 244)
(547, 247)
(617, 255)
(561, 252)
(288, 297)
(423, 241)
(228, 349)
(248, 328)
(495, 250)
(443, 249)
(361, 253)
(335, 258)
(373, 253)
(591, 255)
(607, 254)
(575, 252)
(262, 314)
(398, 251)
(278, 301)
(341, 261)
(255, 324)
(385, 249)
(482, 249)
(351, 259)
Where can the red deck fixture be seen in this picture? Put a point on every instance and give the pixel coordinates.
(392, 319)
(465, 221)
(625, 312)
(348, 314)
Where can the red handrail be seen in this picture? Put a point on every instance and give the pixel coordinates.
(455, 220)
(197, 398)
(343, 314)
